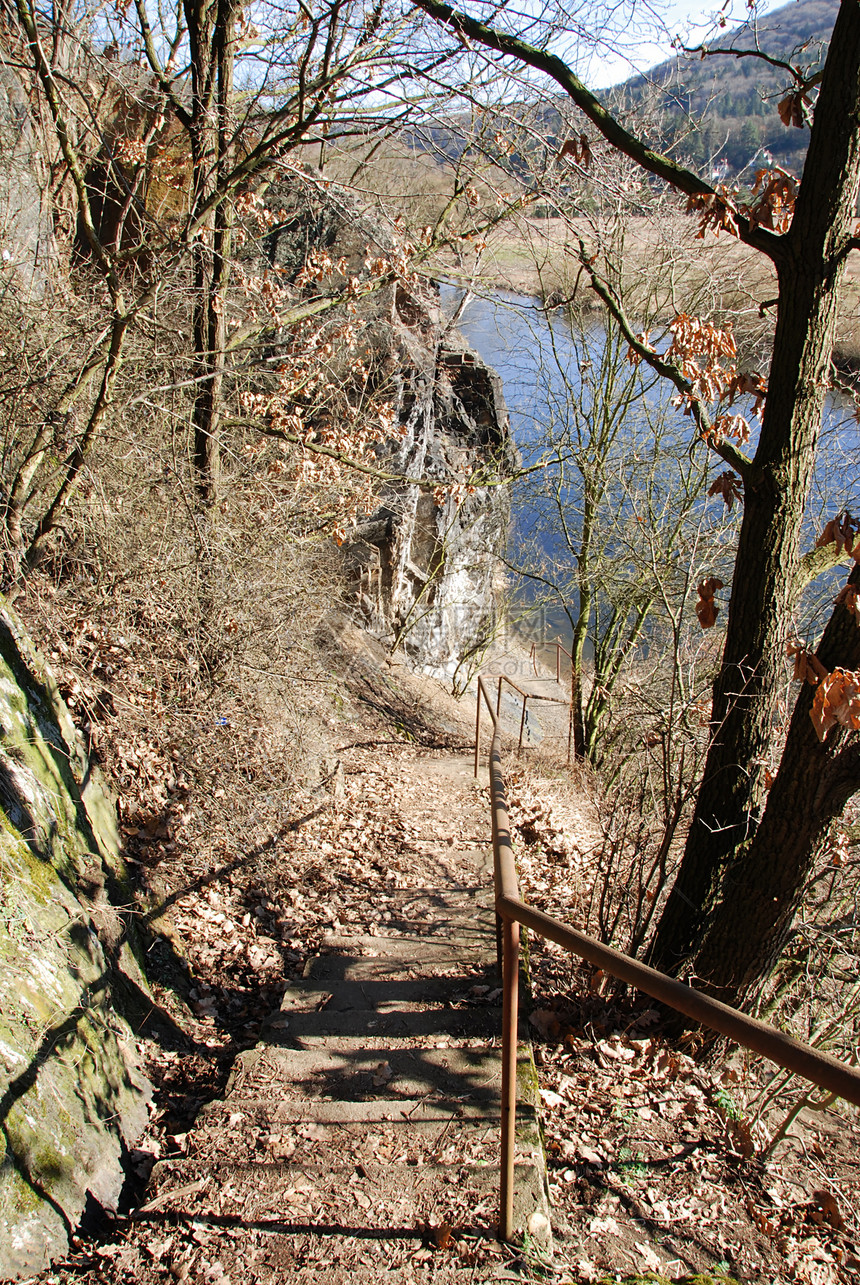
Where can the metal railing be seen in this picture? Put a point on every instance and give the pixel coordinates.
(559, 652)
(512, 912)
(527, 696)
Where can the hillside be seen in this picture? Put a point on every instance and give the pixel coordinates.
(721, 111)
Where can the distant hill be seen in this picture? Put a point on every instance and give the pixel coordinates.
(718, 113)
(721, 111)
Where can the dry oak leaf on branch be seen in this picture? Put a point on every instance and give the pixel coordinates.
(843, 531)
(716, 211)
(807, 668)
(706, 609)
(729, 486)
(749, 383)
(792, 109)
(579, 148)
(775, 191)
(849, 597)
(836, 702)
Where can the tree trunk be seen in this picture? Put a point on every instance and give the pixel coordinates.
(766, 583)
(763, 888)
(211, 36)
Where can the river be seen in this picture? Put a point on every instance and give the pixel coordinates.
(558, 381)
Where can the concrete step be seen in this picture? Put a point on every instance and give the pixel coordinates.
(430, 1111)
(301, 1028)
(285, 1199)
(385, 994)
(467, 943)
(258, 1136)
(445, 963)
(354, 1071)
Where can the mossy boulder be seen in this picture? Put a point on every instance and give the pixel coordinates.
(72, 1096)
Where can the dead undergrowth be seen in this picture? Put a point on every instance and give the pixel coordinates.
(255, 832)
(656, 1163)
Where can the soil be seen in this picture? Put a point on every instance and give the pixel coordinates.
(655, 1163)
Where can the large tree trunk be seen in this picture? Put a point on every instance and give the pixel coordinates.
(763, 888)
(766, 583)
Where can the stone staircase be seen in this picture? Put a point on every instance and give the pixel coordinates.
(362, 1133)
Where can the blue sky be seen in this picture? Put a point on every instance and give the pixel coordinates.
(646, 45)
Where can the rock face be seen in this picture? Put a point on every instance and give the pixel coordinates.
(27, 249)
(424, 566)
(72, 1100)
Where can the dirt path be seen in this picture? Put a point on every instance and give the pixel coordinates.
(360, 1134)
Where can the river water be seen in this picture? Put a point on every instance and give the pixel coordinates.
(559, 380)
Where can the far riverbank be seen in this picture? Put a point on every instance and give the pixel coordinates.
(665, 269)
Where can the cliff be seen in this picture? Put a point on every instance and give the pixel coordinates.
(72, 1098)
(423, 566)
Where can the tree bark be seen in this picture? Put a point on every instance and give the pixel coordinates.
(211, 37)
(764, 885)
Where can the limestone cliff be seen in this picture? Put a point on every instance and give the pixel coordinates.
(424, 567)
(72, 1099)
(27, 246)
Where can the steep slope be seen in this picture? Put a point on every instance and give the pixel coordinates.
(72, 1096)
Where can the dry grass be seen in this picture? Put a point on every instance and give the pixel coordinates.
(665, 268)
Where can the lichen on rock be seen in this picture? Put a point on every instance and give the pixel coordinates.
(72, 1097)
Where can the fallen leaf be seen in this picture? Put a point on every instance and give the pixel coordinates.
(825, 1206)
(383, 1074)
(442, 1236)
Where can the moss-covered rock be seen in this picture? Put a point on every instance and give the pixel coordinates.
(72, 1097)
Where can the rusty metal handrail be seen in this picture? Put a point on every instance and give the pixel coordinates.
(511, 912)
(527, 696)
(559, 649)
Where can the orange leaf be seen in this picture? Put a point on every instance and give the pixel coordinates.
(837, 701)
(706, 609)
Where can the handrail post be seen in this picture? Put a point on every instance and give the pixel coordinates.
(569, 719)
(499, 697)
(478, 729)
(522, 725)
(510, 1021)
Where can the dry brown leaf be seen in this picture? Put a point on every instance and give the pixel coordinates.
(837, 701)
(791, 109)
(841, 530)
(825, 1209)
(706, 609)
(546, 1023)
(849, 597)
(577, 147)
(807, 667)
(442, 1236)
(729, 486)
